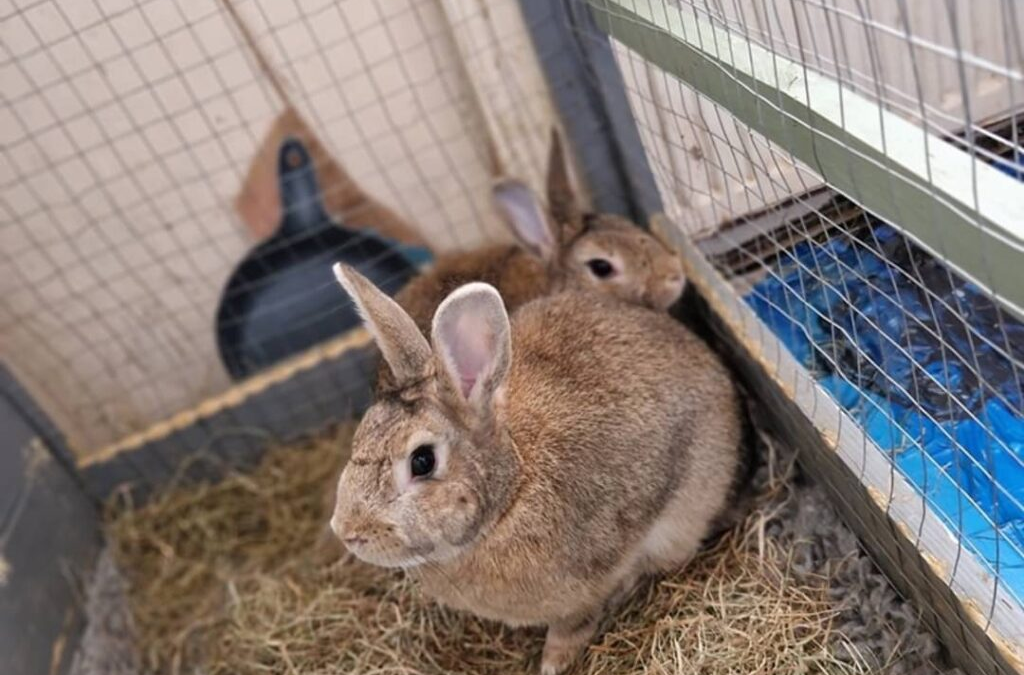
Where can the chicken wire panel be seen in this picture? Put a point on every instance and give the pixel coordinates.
(901, 55)
(952, 201)
(892, 277)
(128, 130)
(957, 597)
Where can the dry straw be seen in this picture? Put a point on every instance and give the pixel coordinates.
(239, 577)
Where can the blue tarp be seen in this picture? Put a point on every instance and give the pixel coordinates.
(928, 365)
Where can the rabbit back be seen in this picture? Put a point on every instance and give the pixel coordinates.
(628, 429)
(519, 276)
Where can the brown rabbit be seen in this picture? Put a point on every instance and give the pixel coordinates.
(569, 248)
(529, 471)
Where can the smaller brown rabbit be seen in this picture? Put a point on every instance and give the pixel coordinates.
(569, 248)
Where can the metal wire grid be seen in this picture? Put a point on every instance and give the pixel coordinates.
(861, 39)
(71, 79)
(110, 255)
(735, 171)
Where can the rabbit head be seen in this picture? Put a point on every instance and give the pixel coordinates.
(427, 473)
(582, 249)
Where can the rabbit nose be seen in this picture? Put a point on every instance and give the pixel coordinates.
(347, 536)
(353, 528)
(340, 528)
(663, 294)
(676, 284)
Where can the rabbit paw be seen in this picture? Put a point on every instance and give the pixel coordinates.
(565, 640)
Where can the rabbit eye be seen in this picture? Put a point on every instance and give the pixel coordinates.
(602, 269)
(422, 462)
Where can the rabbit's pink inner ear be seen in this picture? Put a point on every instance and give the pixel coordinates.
(525, 216)
(471, 334)
(472, 352)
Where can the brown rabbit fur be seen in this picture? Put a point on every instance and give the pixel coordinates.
(555, 251)
(582, 444)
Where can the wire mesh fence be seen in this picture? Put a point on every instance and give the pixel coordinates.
(922, 353)
(140, 167)
(852, 167)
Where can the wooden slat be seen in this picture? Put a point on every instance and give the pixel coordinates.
(49, 539)
(233, 430)
(588, 90)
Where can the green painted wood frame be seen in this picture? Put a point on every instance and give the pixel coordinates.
(963, 210)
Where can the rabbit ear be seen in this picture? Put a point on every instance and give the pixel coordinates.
(472, 337)
(401, 343)
(561, 197)
(525, 216)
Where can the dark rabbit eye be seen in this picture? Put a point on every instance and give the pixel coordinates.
(421, 462)
(600, 268)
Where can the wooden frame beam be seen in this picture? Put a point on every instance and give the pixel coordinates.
(965, 211)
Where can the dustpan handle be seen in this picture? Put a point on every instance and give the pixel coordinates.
(302, 207)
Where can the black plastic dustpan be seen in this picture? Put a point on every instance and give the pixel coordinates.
(282, 298)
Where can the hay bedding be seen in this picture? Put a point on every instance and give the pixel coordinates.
(239, 577)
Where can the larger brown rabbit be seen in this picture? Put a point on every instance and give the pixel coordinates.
(530, 471)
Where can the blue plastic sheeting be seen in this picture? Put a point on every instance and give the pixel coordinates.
(417, 255)
(927, 364)
(1014, 167)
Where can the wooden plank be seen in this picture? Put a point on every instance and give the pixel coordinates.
(588, 90)
(743, 230)
(232, 431)
(230, 398)
(962, 210)
(49, 539)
